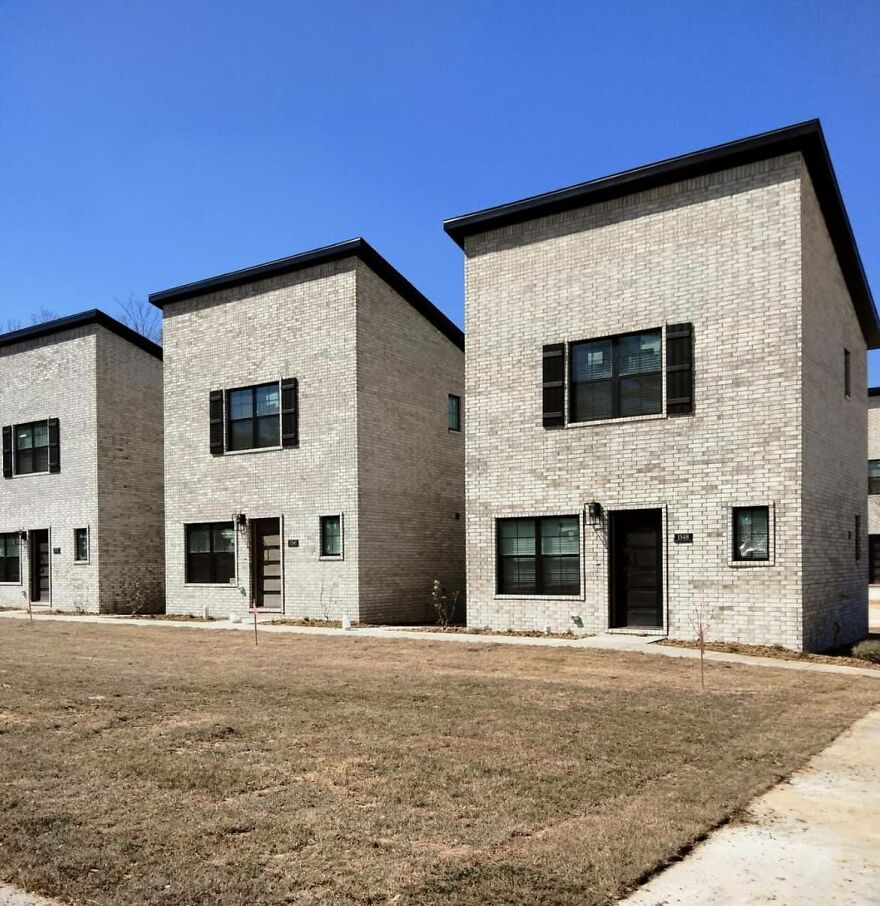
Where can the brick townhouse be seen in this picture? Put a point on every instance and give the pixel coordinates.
(81, 517)
(665, 401)
(314, 457)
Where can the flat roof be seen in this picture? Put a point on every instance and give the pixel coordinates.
(351, 248)
(806, 137)
(83, 319)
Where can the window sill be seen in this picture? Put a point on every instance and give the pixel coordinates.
(232, 586)
(331, 557)
(747, 564)
(253, 450)
(32, 474)
(11, 585)
(577, 597)
(617, 421)
(82, 562)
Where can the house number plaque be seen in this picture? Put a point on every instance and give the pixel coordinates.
(684, 537)
(293, 542)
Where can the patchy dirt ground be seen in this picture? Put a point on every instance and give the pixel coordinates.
(162, 766)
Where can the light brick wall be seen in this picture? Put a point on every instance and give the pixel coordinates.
(83, 377)
(874, 453)
(411, 466)
(131, 524)
(300, 325)
(834, 444)
(722, 251)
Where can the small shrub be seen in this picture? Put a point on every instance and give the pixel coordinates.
(444, 603)
(868, 650)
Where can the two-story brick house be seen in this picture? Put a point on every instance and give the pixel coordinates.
(314, 458)
(81, 517)
(665, 401)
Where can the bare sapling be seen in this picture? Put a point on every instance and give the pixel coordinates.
(444, 603)
(701, 627)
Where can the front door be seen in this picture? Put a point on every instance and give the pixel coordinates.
(40, 566)
(267, 563)
(874, 559)
(636, 569)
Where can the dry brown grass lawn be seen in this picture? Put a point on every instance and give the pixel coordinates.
(170, 765)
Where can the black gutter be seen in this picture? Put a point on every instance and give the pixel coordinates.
(358, 248)
(806, 138)
(83, 319)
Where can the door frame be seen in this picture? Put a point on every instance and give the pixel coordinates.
(253, 560)
(33, 568)
(664, 566)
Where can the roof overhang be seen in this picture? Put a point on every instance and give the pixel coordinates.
(83, 319)
(352, 248)
(807, 138)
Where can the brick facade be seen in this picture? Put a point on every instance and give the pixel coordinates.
(373, 377)
(744, 256)
(106, 392)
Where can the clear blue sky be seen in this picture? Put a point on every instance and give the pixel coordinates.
(146, 144)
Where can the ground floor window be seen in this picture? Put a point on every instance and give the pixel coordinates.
(751, 533)
(210, 553)
(10, 557)
(331, 536)
(538, 556)
(81, 545)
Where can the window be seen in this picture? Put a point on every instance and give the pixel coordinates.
(331, 536)
(616, 377)
(873, 476)
(453, 420)
(210, 553)
(539, 556)
(32, 448)
(847, 373)
(857, 538)
(254, 417)
(81, 545)
(751, 533)
(10, 557)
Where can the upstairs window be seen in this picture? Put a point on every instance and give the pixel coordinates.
(331, 536)
(538, 556)
(10, 557)
(453, 419)
(210, 553)
(751, 533)
(873, 476)
(616, 377)
(32, 448)
(254, 417)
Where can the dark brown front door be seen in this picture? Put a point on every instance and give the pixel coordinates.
(267, 563)
(40, 566)
(874, 559)
(636, 568)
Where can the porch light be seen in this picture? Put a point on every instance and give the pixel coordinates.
(240, 520)
(594, 512)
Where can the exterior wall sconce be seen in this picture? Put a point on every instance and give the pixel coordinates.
(594, 512)
(240, 520)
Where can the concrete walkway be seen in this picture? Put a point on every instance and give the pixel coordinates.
(642, 644)
(814, 839)
(11, 896)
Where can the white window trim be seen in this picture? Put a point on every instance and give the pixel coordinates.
(771, 524)
(341, 555)
(233, 582)
(88, 558)
(15, 472)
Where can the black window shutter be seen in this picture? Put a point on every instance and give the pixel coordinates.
(680, 369)
(215, 399)
(54, 446)
(7, 451)
(554, 385)
(289, 412)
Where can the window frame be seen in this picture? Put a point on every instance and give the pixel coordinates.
(88, 556)
(456, 427)
(16, 469)
(738, 561)
(254, 419)
(847, 374)
(322, 522)
(4, 579)
(539, 556)
(615, 378)
(211, 526)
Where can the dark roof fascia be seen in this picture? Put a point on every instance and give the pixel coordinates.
(358, 248)
(83, 319)
(807, 138)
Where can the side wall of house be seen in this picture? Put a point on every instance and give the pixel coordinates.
(722, 252)
(54, 377)
(130, 477)
(835, 445)
(300, 325)
(411, 466)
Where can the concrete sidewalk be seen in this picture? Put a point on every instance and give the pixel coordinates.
(813, 839)
(643, 644)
